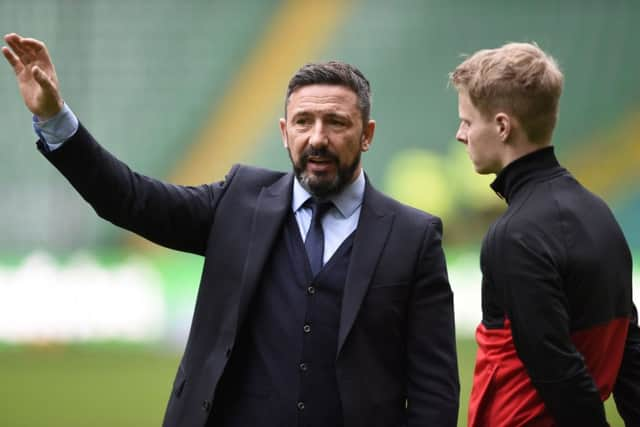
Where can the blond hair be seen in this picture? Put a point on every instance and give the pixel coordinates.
(517, 78)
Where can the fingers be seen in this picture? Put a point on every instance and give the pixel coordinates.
(11, 36)
(15, 43)
(27, 50)
(25, 53)
(33, 44)
(24, 44)
(12, 59)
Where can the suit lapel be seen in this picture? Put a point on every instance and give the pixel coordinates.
(371, 235)
(269, 214)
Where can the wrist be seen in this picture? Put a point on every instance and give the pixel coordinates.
(50, 112)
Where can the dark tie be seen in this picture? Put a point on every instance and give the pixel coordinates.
(314, 243)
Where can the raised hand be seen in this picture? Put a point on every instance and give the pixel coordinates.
(35, 74)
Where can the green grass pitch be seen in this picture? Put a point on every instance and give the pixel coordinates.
(118, 385)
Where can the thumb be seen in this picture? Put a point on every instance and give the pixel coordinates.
(42, 79)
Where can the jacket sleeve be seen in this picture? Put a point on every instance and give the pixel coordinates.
(537, 306)
(626, 392)
(433, 387)
(178, 217)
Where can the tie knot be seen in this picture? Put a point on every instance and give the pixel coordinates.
(319, 207)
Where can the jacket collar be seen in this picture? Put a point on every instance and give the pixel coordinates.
(517, 173)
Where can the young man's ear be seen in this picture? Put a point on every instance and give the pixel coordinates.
(504, 125)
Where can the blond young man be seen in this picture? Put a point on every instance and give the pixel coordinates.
(559, 331)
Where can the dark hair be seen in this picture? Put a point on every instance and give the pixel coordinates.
(333, 73)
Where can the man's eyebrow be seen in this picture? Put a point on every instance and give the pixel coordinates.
(300, 113)
(337, 114)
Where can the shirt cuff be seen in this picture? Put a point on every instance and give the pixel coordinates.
(56, 130)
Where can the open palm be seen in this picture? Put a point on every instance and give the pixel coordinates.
(35, 74)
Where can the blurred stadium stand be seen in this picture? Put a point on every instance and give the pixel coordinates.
(148, 77)
(145, 77)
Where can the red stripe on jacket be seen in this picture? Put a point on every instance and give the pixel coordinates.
(503, 394)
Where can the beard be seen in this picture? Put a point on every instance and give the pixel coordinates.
(323, 186)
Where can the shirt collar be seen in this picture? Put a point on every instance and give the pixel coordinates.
(347, 201)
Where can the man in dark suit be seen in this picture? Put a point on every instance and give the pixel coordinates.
(322, 301)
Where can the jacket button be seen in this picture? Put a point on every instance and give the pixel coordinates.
(206, 405)
(306, 329)
(311, 290)
(303, 366)
(301, 406)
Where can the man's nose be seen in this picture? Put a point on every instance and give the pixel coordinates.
(319, 137)
(461, 136)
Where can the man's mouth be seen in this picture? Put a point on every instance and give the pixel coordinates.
(319, 164)
(319, 160)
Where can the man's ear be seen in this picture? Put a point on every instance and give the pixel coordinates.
(504, 125)
(367, 135)
(283, 133)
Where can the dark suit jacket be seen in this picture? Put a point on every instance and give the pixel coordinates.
(396, 359)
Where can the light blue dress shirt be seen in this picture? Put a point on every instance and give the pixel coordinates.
(337, 224)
